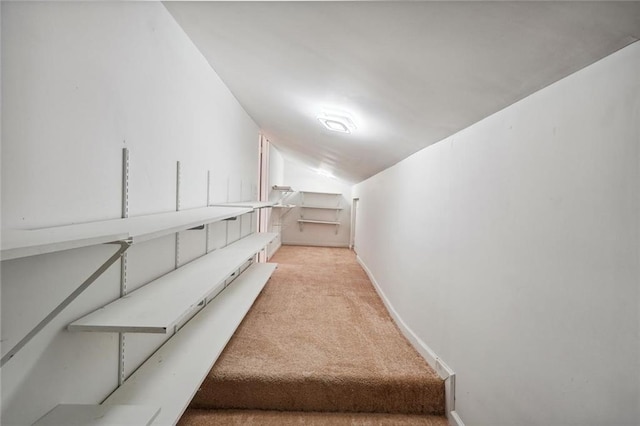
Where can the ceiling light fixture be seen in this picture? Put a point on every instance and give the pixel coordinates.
(337, 122)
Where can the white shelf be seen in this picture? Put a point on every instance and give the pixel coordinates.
(319, 192)
(18, 243)
(99, 415)
(248, 204)
(323, 222)
(283, 188)
(283, 206)
(144, 228)
(160, 305)
(174, 372)
(23, 243)
(321, 207)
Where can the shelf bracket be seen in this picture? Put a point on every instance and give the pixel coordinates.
(124, 246)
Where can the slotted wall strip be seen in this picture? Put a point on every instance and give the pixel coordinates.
(178, 175)
(123, 260)
(206, 248)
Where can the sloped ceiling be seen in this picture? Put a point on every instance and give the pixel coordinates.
(410, 73)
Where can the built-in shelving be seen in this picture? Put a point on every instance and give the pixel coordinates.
(320, 201)
(203, 302)
(99, 415)
(172, 375)
(23, 243)
(160, 305)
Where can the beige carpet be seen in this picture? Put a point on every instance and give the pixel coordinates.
(195, 417)
(318, 339)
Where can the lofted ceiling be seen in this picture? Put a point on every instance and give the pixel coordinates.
(409, 73)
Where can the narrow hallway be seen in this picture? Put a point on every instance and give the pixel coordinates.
(318, 347)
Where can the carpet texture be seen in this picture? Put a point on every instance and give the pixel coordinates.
(318, 339)
(195, 417)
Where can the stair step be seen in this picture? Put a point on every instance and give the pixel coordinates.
(193, 417)
(398, 395)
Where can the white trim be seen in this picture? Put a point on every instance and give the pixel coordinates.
(454, 419)
(427, 353)
(444, 371)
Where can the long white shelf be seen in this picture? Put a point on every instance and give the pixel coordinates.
(306, 206)
(324, 222)
(99, 415)
(18, 243)
(160, 305)
(247, 204)
(319, 192)
(22, 243)
(283, 188)
(283, 206)
(172, 375)
(143, 228)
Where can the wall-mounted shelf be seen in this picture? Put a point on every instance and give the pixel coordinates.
(172, 375)
(301, 223)
(324, 222)
(198, 300)
(23, 243)
(282, 188)
(99, 415)
(125, 231)
(320, 192)
(248, 204)
(306, 206)
(318, 202)
(285, 193)
(160, 305)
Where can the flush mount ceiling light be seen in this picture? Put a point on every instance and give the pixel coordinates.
(337, 122)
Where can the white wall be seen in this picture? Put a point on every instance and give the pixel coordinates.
(82, 80)
(302, 178)
(512, 250)
(276, 177)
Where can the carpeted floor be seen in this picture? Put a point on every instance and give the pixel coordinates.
(318, 340)
(195, 417)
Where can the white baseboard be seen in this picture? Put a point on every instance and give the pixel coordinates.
(312, 244)
(444, 371)
(454, 419)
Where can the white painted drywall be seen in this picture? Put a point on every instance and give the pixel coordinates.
(81, 81)
(276, 171)
(276, 177)
(512, 250)
(302, 178)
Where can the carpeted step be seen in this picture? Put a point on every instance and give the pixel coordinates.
(319, 338)
(408, 395)
(194, 417)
